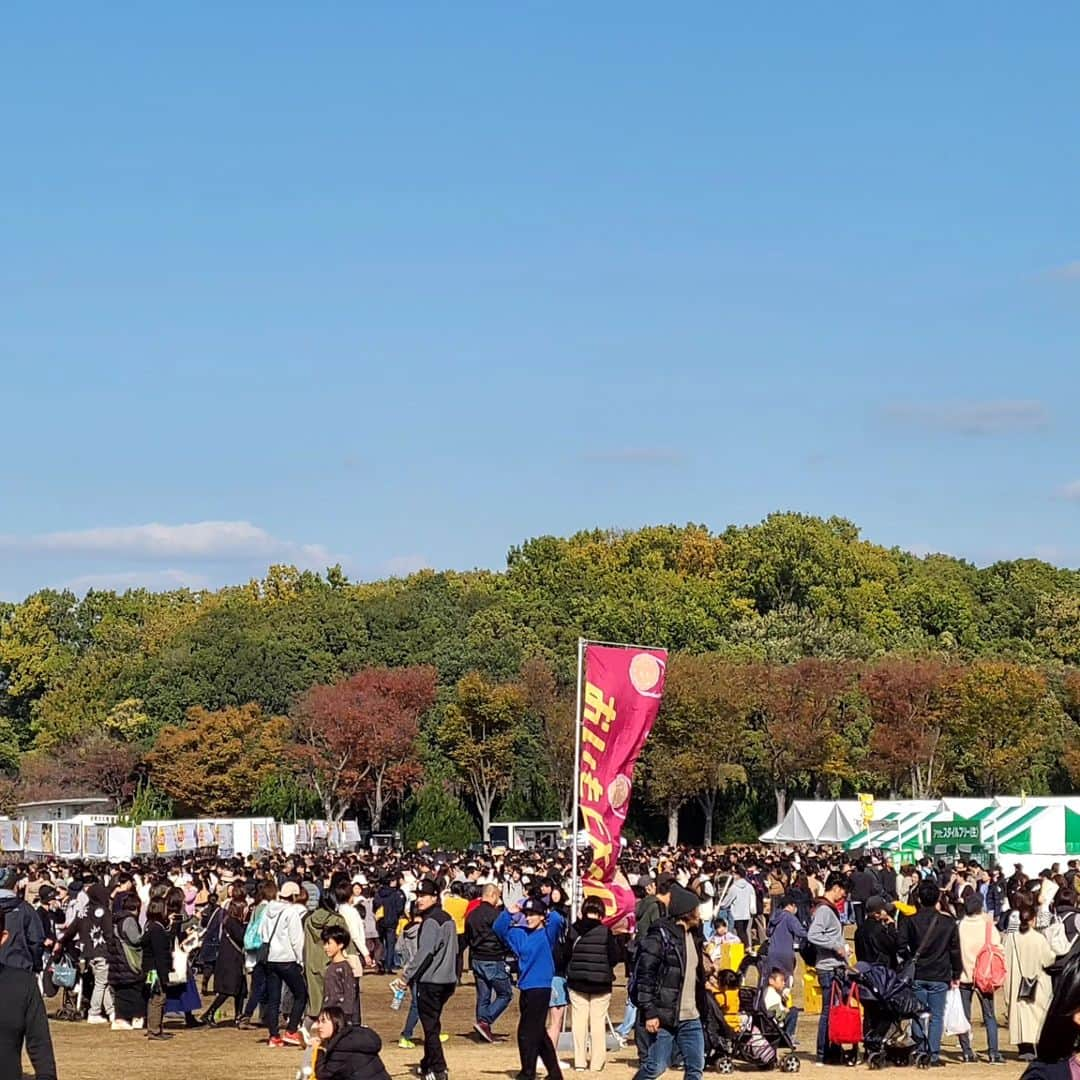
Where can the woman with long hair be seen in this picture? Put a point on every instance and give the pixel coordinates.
(1056, 1055)
(1027, 985)
(182, 997)
(230, 980)
(156, 965)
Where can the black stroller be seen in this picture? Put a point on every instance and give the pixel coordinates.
(758, 1039)
(889, 1005)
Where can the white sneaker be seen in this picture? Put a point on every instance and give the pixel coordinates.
(120, 1025)
(97, 1020)
(138, 1023)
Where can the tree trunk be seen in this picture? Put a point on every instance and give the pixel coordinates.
(673, 825)
(708, 804)
(781, 803)
(483, 804)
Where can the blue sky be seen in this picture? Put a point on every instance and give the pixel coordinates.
(404, 284)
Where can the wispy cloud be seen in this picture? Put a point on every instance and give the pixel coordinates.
(1069, 271)
(140, 579)
(1070, 491)
(975, 418)
(404, 565)
(634, 455)
(207, 541)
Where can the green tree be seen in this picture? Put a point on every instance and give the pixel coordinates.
(697, 746)
(1004, 728)
(437, 818)
(481, 732)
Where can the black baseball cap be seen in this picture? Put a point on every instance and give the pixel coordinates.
(427, 887)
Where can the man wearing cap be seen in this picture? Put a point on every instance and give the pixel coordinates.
(671, 988)
(282, 929)
(533, 944)
(433, 970)
(875, 940)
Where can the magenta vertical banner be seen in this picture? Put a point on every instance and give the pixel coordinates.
(622, 693)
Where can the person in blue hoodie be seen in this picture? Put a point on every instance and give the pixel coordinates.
(533, 941)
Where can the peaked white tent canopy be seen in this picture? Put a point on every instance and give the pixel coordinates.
(803, 822)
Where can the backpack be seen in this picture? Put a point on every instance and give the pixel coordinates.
(252, 936)
(989, 972)
(1058, 937)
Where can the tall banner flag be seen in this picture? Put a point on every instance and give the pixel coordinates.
(623, 686)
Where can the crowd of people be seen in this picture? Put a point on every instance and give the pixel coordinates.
(287, 940)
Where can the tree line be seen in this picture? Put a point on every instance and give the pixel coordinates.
(806, 661)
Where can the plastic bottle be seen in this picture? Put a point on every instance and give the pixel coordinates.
(398, 989)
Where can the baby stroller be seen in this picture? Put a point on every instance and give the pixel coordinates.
(889, 1004)
(757, 1038)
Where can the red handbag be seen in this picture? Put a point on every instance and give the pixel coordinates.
(845, 1016)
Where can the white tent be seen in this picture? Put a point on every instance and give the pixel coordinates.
(844, 820)
(803, 822)
(769, 835)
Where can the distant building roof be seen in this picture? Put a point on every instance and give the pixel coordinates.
(66, 802)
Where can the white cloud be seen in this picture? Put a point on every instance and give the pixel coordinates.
(1070, 491)
(404, 565)
(1069, 271)
(155, 580)
(978, 418)
(201, 540)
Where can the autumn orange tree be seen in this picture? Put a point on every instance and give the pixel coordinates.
(356, 739)
(217, 761)
(906, 700)
(799, 710)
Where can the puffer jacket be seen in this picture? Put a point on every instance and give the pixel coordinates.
(352, 1054)
(660, 970)
(593, 956)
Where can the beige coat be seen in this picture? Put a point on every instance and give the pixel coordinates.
(972, 941)
(1027, 954)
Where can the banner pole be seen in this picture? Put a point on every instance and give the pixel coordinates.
(574, 885)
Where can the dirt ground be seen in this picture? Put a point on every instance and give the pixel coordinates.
(96, 1053)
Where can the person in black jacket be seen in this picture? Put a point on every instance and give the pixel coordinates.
(346, 1051)
(590, 973)
(24, 940)
(23, 1020)
(671, 988)
(864, 884)
(392, 901)
(932, 940)
(157, 963)
(94, 931)
(487, 955)
(876, 941)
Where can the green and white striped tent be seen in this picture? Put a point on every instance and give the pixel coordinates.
(906, 829)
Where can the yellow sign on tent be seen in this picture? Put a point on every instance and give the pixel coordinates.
(866, 802)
